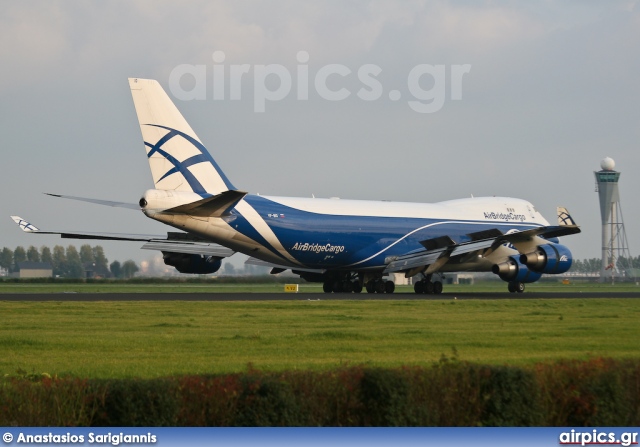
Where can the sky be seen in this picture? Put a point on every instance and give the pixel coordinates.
(444, 100)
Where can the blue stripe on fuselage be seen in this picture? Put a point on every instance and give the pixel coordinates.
(241, 224)
(333, 241)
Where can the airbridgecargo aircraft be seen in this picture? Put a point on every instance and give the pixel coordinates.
(348, 245)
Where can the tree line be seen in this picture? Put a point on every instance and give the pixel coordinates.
(593, 265)
(69, 262)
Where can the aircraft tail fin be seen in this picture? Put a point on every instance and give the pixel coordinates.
(177, 158)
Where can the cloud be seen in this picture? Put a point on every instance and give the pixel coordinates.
(33, 40)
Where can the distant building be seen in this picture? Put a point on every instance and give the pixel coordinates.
(400, 279)
(3, 272)
(28, 269)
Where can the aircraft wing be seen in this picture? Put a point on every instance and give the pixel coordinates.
(188, 247)
(436, 257)
(171, 242)
(279, 268)
(441, 250)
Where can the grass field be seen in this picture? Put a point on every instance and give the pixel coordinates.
(216, 287)
(152, 339)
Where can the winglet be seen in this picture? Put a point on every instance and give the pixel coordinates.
(26, 226)
(564, 218)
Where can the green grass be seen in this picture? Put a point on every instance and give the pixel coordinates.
(215, 287)
(154, 339)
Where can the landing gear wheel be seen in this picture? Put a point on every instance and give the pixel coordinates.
(389, 287)
(327, 287)
(437, 287)
(347, 286)
(357, 287)
(429, 288)
(337, 286)
(371, 286)
(515, 286)
(380, 286)
(419, 287)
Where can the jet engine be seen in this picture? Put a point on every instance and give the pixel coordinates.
(548, 258)
(187, 263)
(514, 271)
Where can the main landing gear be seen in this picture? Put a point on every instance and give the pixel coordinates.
(353, 283)
(427, 286)
(380, 286)
(342, 286)
(515, 286)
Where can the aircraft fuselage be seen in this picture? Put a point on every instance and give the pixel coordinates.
(352, 234)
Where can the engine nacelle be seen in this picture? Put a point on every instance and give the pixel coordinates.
(513, 270)
(548, 258)
(186, 263)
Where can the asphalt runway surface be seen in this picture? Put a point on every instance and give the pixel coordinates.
(222, 296)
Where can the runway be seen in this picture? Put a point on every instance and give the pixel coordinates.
(224, 296)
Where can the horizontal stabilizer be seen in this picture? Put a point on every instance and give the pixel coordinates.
(131, 206)
(216, 206)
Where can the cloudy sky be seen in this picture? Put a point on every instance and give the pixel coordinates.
(552, 88)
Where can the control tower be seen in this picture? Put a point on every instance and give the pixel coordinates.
(615, 249)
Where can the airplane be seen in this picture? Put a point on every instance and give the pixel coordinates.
(347, 245)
